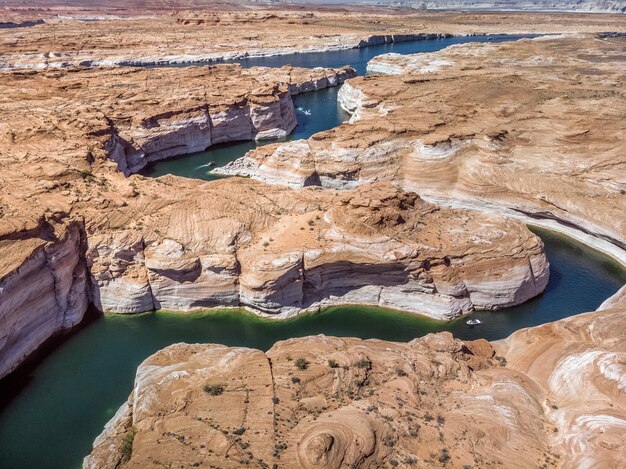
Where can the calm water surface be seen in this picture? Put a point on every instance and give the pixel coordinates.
(325, 112)
(62, 404)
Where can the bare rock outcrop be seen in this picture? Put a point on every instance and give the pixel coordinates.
(124, 33)
(43, 287)
(284, 252)
(548, 396)
(532, 128)
(71, 224)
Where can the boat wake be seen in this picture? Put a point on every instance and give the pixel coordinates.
(306, 112)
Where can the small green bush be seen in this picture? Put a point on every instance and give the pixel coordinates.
(213, 389)
(302, 363)
(363, 363)
(127, 444)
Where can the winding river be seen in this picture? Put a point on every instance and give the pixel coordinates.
(53, 407)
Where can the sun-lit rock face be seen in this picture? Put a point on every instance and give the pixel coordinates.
(550, 396)
(42, 287)
(164, 32)
(72, 225)
(532, 127)
(280, 252)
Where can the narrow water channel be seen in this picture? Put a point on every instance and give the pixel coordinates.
(51, 413)
(322, 105)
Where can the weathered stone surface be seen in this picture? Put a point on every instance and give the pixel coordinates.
(533, 128)
(71, 224)
(550, 395)
(42, 288)
(283, 252)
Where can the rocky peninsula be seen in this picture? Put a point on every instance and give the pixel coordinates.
(329, 402)
(418, 204)
(466, 127)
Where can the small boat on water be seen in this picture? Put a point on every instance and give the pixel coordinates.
(473, 322)
(306, 112)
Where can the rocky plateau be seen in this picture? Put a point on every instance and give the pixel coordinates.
(468, 127)
(418, 203)
(87, 37)
(79, 231)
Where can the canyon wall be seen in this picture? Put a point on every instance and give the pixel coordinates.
(197, 121)
(547, 396)
(42, 287)
(376, 246)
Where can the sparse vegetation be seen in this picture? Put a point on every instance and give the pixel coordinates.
(400, 372)
(301, 363)
(363, 363)
(444, 456)
(213, 389)
(428, 417)
(333, 363)
(87, 174)
(441, 419)
(295, 380)
(275, 400)
(127, 444)
(239, 431)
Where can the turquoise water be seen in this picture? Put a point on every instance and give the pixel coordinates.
(325, 112)
(50, 412)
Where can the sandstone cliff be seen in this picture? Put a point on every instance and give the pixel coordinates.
(549, 396)
(281, 252)
(532, 128)
(42, 286)
(65, 207)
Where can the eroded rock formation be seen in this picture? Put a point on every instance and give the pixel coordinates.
(532, 127)
(281, 252)
(126, 34)
(330, 402)
(42, 287)
(139, 244)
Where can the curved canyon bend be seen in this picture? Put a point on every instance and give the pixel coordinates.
(386, 183)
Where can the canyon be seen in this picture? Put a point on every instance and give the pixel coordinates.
(418, 203)
(127, 36)
(136, 244)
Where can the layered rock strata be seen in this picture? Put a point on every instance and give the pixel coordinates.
(42, 287)
(180, 244)
(302, 251)
(548, 396)
(532, 127)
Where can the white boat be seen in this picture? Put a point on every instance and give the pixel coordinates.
(473, 322)
(306, 112)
